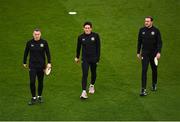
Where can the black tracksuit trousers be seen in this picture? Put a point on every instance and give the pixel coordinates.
(85, 69)
(146, 59)
(39, 74)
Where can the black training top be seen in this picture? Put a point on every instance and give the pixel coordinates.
(37, 51)
(149, 39)
(90, 47)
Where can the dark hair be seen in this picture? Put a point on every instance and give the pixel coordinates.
(149, 17)
(87, 23)
(37, 30)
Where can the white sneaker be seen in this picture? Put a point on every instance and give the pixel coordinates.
(91, 89)
(84, 95)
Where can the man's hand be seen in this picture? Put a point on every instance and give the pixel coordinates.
(48, 65)
(76, 60)
(139, 56)
(158, 55)
(25, 65)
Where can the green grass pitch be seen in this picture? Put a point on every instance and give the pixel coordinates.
(119, 71)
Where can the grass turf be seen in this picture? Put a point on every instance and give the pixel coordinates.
(118, 81)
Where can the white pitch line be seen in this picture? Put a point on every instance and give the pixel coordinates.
(72, 13)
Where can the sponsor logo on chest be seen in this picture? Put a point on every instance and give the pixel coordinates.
(83, 39)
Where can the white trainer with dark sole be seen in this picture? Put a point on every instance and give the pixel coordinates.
(84, 95)
(91, 89)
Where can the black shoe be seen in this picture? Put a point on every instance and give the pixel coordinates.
(143, 92)
(32, 101)
(40, 99)
(154, 87)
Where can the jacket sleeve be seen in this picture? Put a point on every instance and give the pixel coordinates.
(47, 52)
(98, 47)
(159, 41)
(26, 51)
(139, 43)
(78, 48)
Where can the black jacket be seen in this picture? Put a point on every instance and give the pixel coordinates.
(37, 50)
(149, 40)
(90, 47)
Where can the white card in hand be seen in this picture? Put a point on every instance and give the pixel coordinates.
(48, 70)
(156, 61)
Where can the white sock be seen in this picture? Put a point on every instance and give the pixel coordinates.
(84, 90)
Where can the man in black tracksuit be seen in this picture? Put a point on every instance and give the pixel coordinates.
(37, 48)
(90, 43)
(148, 47)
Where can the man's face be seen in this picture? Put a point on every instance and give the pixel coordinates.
(87, 29)
(148, 23)
(37, 35)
